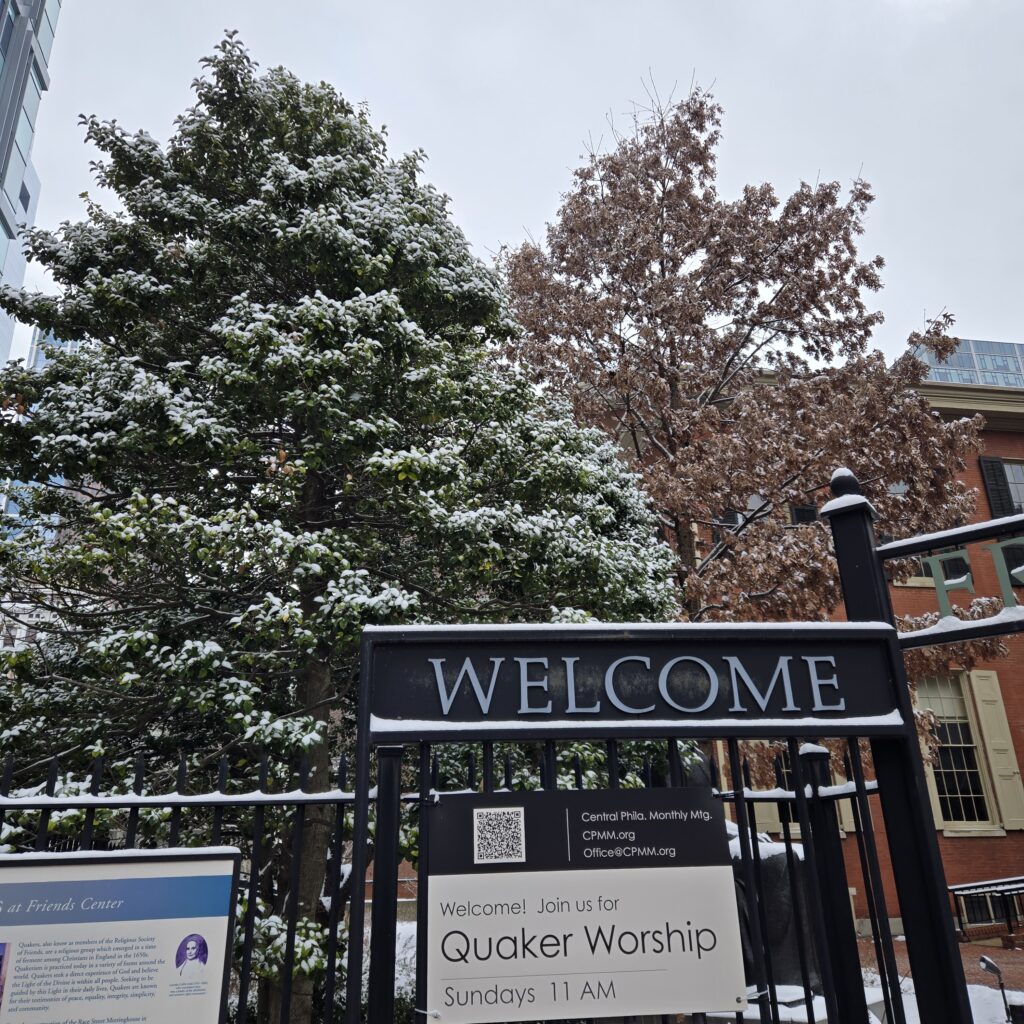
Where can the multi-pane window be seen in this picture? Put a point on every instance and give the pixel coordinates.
(984, 908)
(18, 159)
(802, 515)
(957, 772)
(1015, 481)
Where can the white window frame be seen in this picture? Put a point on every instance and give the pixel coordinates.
(991, 826)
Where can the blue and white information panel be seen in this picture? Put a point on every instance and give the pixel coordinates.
(133, 938)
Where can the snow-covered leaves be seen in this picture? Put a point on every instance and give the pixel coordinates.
(285, 421)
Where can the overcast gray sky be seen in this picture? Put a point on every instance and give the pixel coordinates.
(923, 97)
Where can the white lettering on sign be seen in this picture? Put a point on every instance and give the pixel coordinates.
(483, 699)
(687, 684)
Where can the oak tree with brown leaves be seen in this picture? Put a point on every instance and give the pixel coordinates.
(726, 344)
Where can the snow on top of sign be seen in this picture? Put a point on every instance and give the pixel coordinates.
(631, 627)
(419, 725)
(950, 624)
(944, 538)
(198, 852)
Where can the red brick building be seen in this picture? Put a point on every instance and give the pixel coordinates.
(976, 790)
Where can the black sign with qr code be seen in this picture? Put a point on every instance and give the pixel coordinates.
(576, 830)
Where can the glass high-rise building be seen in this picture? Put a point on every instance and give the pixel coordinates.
(26, 38)
(43, 345)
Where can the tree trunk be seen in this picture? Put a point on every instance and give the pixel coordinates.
(318, 824)
(315, 695)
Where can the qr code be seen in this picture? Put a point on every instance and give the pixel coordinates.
(499, 835)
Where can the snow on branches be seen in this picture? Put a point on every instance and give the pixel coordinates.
(284, 422)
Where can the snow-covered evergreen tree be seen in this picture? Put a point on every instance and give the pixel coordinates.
(284, 422)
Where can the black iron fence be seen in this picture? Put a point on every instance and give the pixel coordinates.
(798, 848)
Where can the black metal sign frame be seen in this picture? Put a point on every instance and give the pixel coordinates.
(446, 683)
(471, 683)
(454, 684)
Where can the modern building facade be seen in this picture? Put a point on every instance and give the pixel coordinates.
(26, 37)
(42, 345)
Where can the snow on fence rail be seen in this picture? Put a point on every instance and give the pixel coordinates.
(272, 824)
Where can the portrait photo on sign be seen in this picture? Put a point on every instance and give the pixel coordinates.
(190, 960)
(5, 956)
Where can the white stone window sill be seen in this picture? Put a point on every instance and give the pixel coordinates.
(922, 582)
(952, 832)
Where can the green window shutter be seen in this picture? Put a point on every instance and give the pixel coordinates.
(1000, 501)
(998, 744)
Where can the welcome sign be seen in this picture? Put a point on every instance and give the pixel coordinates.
(524, 681)
(532, 917)
(116, 937)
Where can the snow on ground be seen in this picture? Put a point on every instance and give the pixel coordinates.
(986, 1003)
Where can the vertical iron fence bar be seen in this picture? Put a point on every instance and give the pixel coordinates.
(132, 827)
(360, 834)
(249, 925)
(795, 887)
(835, 890)
(647, 777)
(88, 826)
(176, 811)
(384, 917)
(435, 772)
(935, 960)
(750, 893)
(334, 891)
(869, 896)
(471, 771)
(551, 764)
(423, 871)
(292, 903)
(878, 888)
(488, 766)
(5, 785)
(612, 747)
(218, 808)
(675, 779)
(43, 835)
(755, 847)
(577, 770)
(807, 840)
(675, 765)
(508, 771)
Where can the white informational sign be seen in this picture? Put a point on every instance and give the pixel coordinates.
(551, 945)
(95, 939)
(568, 904)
